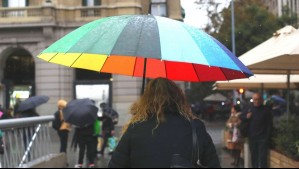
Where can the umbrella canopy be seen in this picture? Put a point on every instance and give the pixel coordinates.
(80, 112)
(146, 46)
(215, 98)
(32, 102)
(259, 81)
(277, 55)
(278, 99)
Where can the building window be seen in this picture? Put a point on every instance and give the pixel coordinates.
(91, 2)
(92, 10)
(15, 3)
(159, 8)
(4, 3)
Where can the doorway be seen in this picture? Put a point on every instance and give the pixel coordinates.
(18, 77)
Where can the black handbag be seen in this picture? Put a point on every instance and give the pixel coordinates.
(178, 161)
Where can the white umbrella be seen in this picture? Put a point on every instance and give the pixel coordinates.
(277, 55)
(260, 81)
(215, 98)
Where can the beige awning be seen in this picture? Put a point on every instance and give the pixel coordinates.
(277, 55)
(215, 98)
(259, 81)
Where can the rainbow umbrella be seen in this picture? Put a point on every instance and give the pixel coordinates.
(146, 46)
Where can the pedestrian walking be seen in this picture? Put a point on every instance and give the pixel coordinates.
(235, 142)
(107, 131)
(259, 118)
(160, 127)
(110, 112)
(85, 138)
(63, 128)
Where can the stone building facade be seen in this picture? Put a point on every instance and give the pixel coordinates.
(27, 27)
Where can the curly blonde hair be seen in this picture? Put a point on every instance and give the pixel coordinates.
(160, 95)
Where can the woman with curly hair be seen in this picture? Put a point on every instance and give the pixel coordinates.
(160, 127)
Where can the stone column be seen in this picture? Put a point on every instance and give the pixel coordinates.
(125, 91)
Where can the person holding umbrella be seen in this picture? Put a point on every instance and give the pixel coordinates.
(83, 114)
(26, 109)
(161, 127)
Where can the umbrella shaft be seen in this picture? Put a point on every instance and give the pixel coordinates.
(143, 78)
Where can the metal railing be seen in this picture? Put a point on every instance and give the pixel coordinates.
(25, 140)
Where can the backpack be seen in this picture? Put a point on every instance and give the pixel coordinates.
(56, 123)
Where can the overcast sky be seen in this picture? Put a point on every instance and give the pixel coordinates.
(195, 16)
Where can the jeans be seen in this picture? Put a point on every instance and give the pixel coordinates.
(89, 143)
(63, 135)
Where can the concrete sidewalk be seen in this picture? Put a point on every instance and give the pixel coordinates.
(213, 128)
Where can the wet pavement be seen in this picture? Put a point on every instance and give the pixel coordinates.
(213, 128)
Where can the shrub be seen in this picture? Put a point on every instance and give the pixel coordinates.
(286, 137)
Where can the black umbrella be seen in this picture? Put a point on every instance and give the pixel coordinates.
(32, 102)
(278, 99)
(80, 112)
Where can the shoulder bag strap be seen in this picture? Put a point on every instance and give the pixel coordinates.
(195, 147)
(195, 151)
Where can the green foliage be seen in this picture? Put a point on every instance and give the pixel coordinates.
(286, 137)
(253, 25)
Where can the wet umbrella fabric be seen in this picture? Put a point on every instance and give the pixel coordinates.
(146, 46)
(32, 102)
(80, 112)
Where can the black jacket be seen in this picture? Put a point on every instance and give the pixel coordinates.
(260, 124)
(143, 147)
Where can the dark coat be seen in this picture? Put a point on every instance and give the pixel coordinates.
(260, 124)
(143, 147)
(107, 124)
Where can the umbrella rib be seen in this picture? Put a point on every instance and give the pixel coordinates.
(134, 66)
(52, 57)
(165, 69)
(195, 71)
(104, 63)
(76, 60)
(223, 73)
